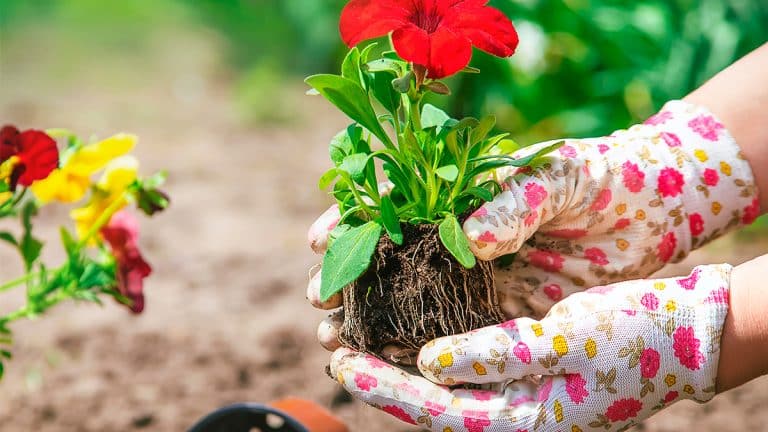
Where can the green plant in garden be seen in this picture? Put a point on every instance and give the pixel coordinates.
(102, 257)
(438, 168)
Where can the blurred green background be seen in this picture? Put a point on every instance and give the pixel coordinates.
(584, 67)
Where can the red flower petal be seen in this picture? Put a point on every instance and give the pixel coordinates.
(443, 52)
(367, 19)
(122, 235)
(37, 155)
(488, 28)
(9, 141)
(412, 44)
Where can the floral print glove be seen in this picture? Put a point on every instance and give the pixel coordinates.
(602, 210)
(603, 359)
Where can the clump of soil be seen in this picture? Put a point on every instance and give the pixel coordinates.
(416, 292)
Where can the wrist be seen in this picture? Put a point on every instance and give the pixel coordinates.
(744, 348)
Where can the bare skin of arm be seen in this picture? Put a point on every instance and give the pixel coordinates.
(739, 97)
(744, 349)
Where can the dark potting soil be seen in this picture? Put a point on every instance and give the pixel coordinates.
(416, 292)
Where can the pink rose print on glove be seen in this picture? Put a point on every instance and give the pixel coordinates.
(659, 118)
(623, 409)
(546, 260)
(649, 363)
(476, 421)
(697, 224)
(603, 199)
(671, 396)
(535, 194)
(398, 412)
(650, 301)
(522, 352)
(686, 348)
(633, 178)
(621, 224)
(719, 295)
(554, 292)
(365, 382)
(711, 177)
(667, 247)
(596, 256)
(671, 182)
(706, 126)
(576, 387)
(434, 409)
(689, 283)
(671, 139)
(568, 151)
(602, 148)
(751, 212)
(487, 237)
(545, 389)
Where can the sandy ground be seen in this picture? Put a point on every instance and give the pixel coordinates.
(226, 319)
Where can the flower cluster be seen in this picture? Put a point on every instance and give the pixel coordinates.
(101, 179)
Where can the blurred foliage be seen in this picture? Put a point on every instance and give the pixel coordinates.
(584, 67)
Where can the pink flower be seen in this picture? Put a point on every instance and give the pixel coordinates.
(576, 387)
(706, 126)
(686, 348)
(398, 412)
(751, 212)
(365, 382)
(689, 283)
(531, 218)
(719, 296)
(487, 237)
(568, 151)
(649, 363)
(545, 389)
(509, 325)
(535, 194)
(554, 292)
(122, 234)
(603, 199)
(596, 256)
(711, 177)
(475, 421)
(522, 352)
(521, 400)
(546, 260)
(623, 409)
(602, 148)
(482, 395)
(622, 223)
(671, 396)
(650, 301)
(671, 182)
(633, 178)
(482, 211)
(567, 233)
(434, 409)
(697, 224)
(667, 247)
(671, 139)
(659, 118)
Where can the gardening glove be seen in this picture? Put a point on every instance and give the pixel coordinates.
(601, 210)
(603, 359)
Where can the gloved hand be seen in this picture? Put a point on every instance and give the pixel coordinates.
(608, 358)
(605, 209)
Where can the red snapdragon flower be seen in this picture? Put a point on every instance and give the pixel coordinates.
(435, 34)
(122, 234)
(36, 152)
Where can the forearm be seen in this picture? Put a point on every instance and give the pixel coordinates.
(739, 97)
(744, 348)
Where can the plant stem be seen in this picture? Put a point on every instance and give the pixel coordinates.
(16, 282)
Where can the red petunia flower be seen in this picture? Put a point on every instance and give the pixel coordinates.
(36, 152)
(435, 34)
(122, 234)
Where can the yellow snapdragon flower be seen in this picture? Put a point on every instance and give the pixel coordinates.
(109, 194)
(6, 168)
(70, 183)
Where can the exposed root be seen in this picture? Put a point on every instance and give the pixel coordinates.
(414, 293)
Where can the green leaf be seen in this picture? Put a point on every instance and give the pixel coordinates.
(4, 187)
(355, 165)
(382, 65)
(524, 161)
(403, 85)
(351, 99)
(384, 92)
(8, 237)
(350, 67)
(327, 178)
(448, 172)
(482, 130)
(348, 257)
(70, 244)
(30, 247)
(432, 116)
(456, 242)
(478, 192)
(391, 221)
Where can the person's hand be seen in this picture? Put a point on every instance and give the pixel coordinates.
(602, 210)
(607, 358)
